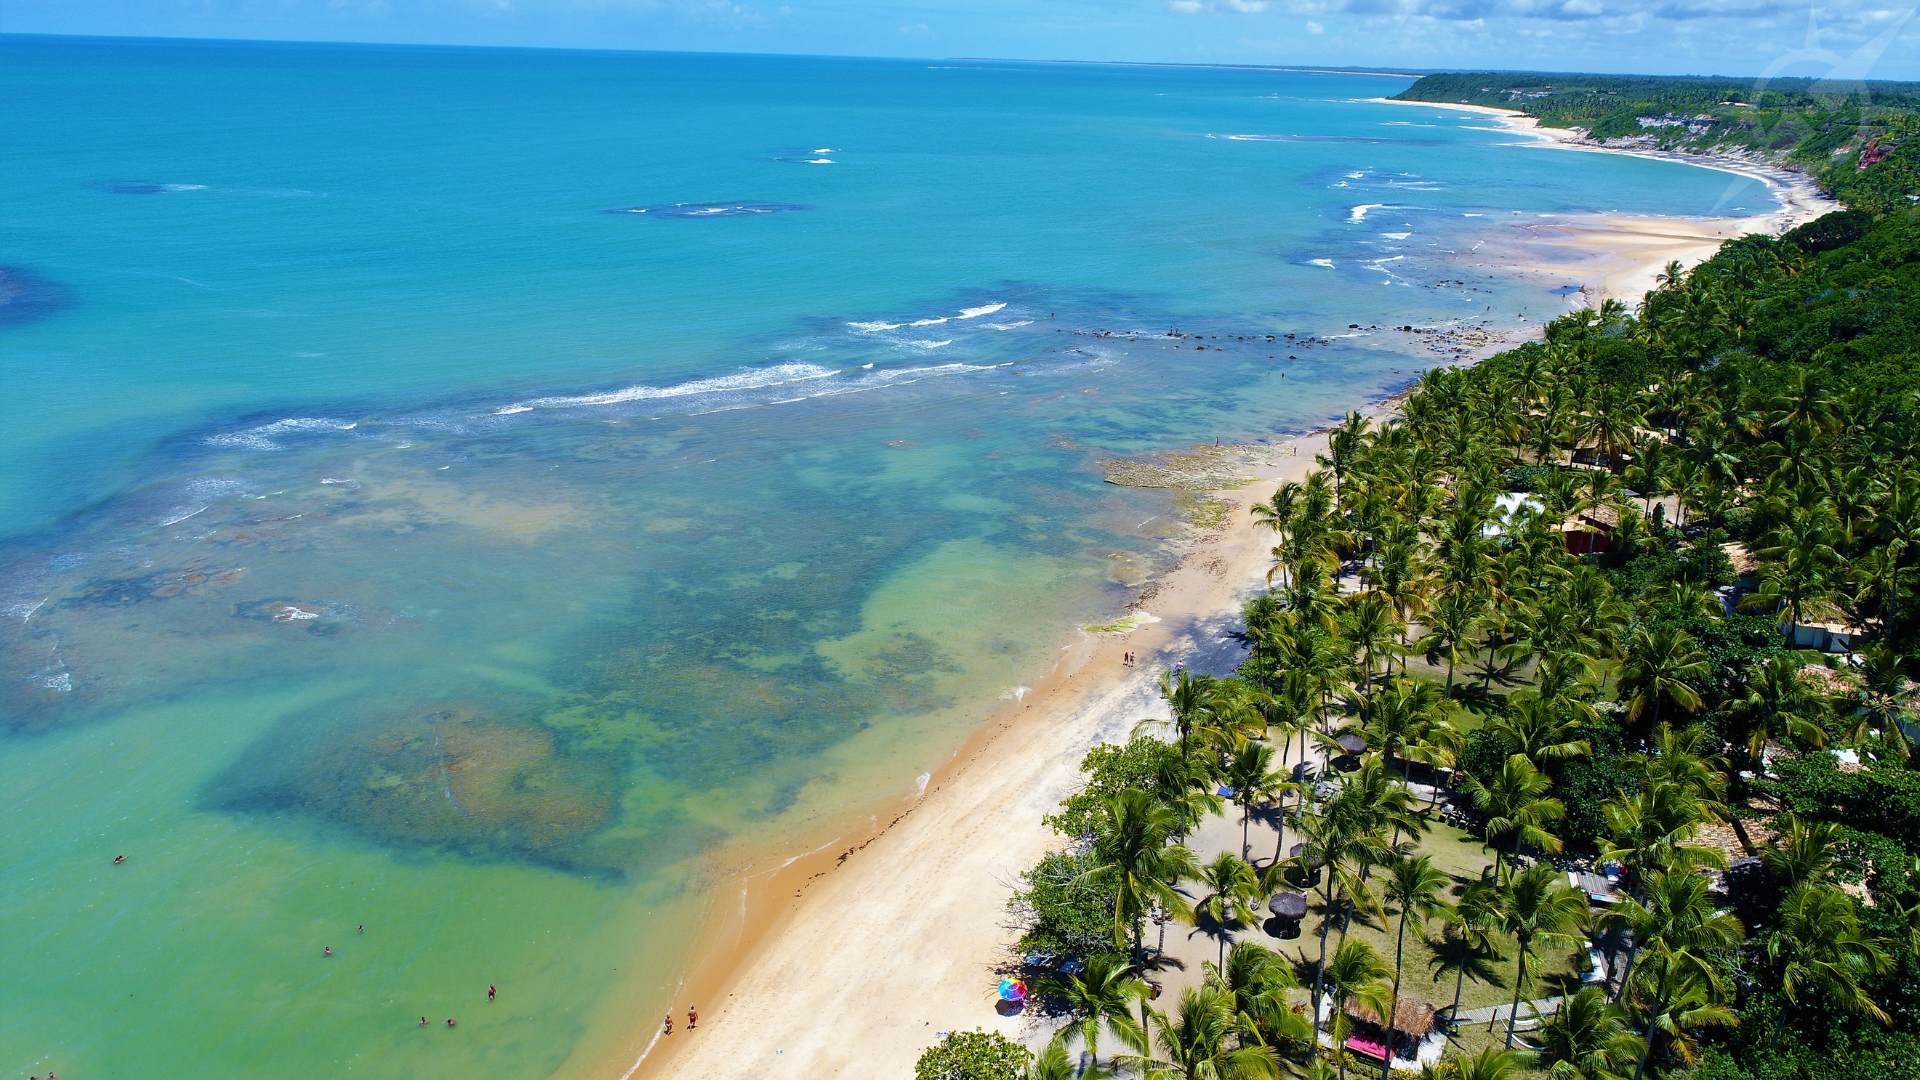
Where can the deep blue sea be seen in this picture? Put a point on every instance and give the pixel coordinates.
(445, 492)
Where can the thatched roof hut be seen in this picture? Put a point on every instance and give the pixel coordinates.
(1412, 1017)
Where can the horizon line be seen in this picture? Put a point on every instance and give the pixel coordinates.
(1368, 71)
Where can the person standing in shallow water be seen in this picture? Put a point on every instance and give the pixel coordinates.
(666, 1026)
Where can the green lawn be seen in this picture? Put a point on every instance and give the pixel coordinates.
(1429, 967)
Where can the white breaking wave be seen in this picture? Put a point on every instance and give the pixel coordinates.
(926, 322)
(777, 375)
(976, 312)
(930, 344)
(261, 438)
(1359, 213)
(870, 327)
(1009, 325)
(1328, 263)
(1396, 235)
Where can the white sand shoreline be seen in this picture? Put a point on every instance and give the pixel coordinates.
(1798, 198)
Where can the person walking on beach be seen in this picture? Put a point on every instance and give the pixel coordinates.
(693, 1018)
(666, 1027)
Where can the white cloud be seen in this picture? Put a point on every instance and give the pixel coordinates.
(1247, 7)
(1185, 7)
(1315, 28)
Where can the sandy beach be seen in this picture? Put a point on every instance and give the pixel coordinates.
(1618, 256)
(850, 959)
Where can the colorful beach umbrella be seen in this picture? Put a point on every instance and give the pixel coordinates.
(1013, 990)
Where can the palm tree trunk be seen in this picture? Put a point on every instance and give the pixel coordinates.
(1652, 1034)
(1386, 1065)
(1519, 978)
(1626, 973)
(1459, 984)
(1326, 924)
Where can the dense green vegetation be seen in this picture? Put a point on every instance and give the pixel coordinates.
(1856, 139)
(1745, 441)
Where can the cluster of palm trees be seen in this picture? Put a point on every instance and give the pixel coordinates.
(1402, 547)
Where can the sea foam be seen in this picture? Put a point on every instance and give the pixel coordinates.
(777, 375)
(262, 437)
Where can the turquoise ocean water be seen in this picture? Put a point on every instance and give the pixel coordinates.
(395, 537)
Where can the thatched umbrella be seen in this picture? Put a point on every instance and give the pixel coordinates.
(1291, 906)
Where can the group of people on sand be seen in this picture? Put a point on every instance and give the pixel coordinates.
(693, 1021)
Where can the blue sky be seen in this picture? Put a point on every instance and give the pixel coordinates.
(1732, 37)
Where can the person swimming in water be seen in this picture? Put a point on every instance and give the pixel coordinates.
(490, 992)
(328, 951)
(118, 859)
(450, 1021)
(423, 1021)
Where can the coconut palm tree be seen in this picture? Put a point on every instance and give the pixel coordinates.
(1341, 843)
(1688, 758)
(1190, 699)
(1184, 782)
(1587, 1038)
(1416, 887)
(1537, 729)
(1370, 627)
(1250, 775)
(1777, 704)
(1470, 945)
(1401, 719)
(1515, 801)
(1232, 887)
(1658, 664)
(1676, 921)
(1052, 1063)
(1136, 861)
(1650, 830)
(1258, 980)
(1356, 975)
(1488, 1064)
(1453, 624)
(1537, 906)
(1683, 998)
(1102, 995)
(1199, 1042)
(1802, 852)
(1817, 943)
